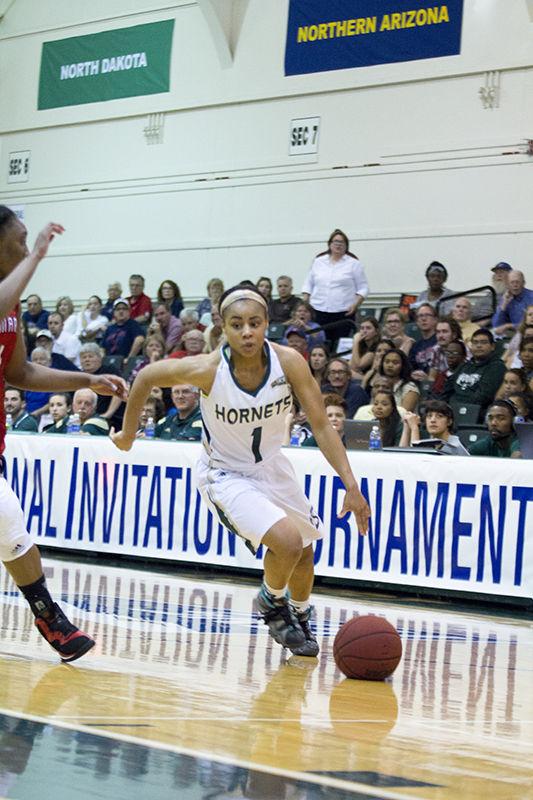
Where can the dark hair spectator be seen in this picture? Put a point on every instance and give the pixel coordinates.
(15, 404)
(438, 419)
(364, 346)
(264, 285)
(169, 294)
(336, 285)
(395, 366)
(302, 319)
(525, 327)
(514, 380)
(59, 406)
(318, 359)
(436, 276)
(526, 355)
(383, 346)
(502, 441)
(386, 415)
(523, 401)
(422, 350)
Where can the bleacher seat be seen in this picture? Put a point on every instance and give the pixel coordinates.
(466, 414)
(471, 435)
(113, 362)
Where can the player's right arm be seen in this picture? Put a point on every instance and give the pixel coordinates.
(14, 284)
(196, 370)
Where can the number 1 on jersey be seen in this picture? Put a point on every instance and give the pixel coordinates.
(256, 443)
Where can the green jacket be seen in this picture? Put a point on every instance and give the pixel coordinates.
(175, 429)
(489, 447)
(25, 423)
(96, 426)
(57, 427)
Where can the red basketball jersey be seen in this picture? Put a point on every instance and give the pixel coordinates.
(8, 338)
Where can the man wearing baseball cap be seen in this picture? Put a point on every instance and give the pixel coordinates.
(124, 337)
(45, 339)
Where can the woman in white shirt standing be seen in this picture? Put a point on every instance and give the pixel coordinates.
(335, 286)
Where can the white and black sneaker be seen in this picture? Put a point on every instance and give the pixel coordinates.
(282, 622)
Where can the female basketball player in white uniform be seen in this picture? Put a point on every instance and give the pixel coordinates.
(243, 475)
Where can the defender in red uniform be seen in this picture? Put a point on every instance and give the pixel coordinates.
(17, 551)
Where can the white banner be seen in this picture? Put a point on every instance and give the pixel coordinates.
(438, 522)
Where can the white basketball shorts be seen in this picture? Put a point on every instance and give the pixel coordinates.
(250, 504)
(14, 538)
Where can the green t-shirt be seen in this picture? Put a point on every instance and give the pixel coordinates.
(489, 447)
(175, 429)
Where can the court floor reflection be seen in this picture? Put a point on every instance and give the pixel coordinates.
(184, 668)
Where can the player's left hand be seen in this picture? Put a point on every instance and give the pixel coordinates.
(109, 385)
(354, 501)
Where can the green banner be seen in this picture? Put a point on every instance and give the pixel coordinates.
(127, 62)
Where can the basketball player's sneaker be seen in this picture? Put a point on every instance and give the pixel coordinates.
(281, 620)
(310, 646)
(63, 636)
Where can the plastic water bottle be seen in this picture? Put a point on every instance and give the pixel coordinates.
(9, 422)
(74, 424)
(296, 436)
(149, 428)
(374, 440)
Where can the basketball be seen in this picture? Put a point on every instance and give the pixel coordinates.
(368, 648)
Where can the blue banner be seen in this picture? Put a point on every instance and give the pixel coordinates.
(342, 34)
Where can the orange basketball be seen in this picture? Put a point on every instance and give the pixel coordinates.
(368, 648)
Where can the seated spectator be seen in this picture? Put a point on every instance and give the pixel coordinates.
(455, 354)
(394, 328)
(336, 413)
(478, 380)
(436, 276)
(213, 334)
(523, 401)
(114, 291)
(35, 317)
(514, 380)
(111, 408)
(153, 350)
(502, 441)
(90, 324)
(282, 309)
(84, 404)
(265, 287)
(302, 318)
(65, 307)
(215, 288)
(525, 352)
(124, 337)
(45, 339)
(365, 413)
(513, 304)
(15, 404)
(37, 402)
(525, 328)
(500, 278)
(296, 423)
(190, 321)
(369, 378)
(462, 313)
(422, 351)
(59, 405)
(364, 346)
(297, 340)
(395, 367)
(193, 344)
(169, 294)
(153, 409)
(140, 303)
(448, 330)
(439, 422)
(339, 381)
(386, 414)
(166, 326)
(186, 425)
(64, 343)
(318, 359)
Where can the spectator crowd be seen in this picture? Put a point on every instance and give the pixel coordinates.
(452, 370)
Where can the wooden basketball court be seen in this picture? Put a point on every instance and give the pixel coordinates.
(186, 696)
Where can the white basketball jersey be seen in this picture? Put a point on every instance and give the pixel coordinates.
(243, 429)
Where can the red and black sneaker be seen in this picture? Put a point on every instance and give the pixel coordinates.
(63, 636)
